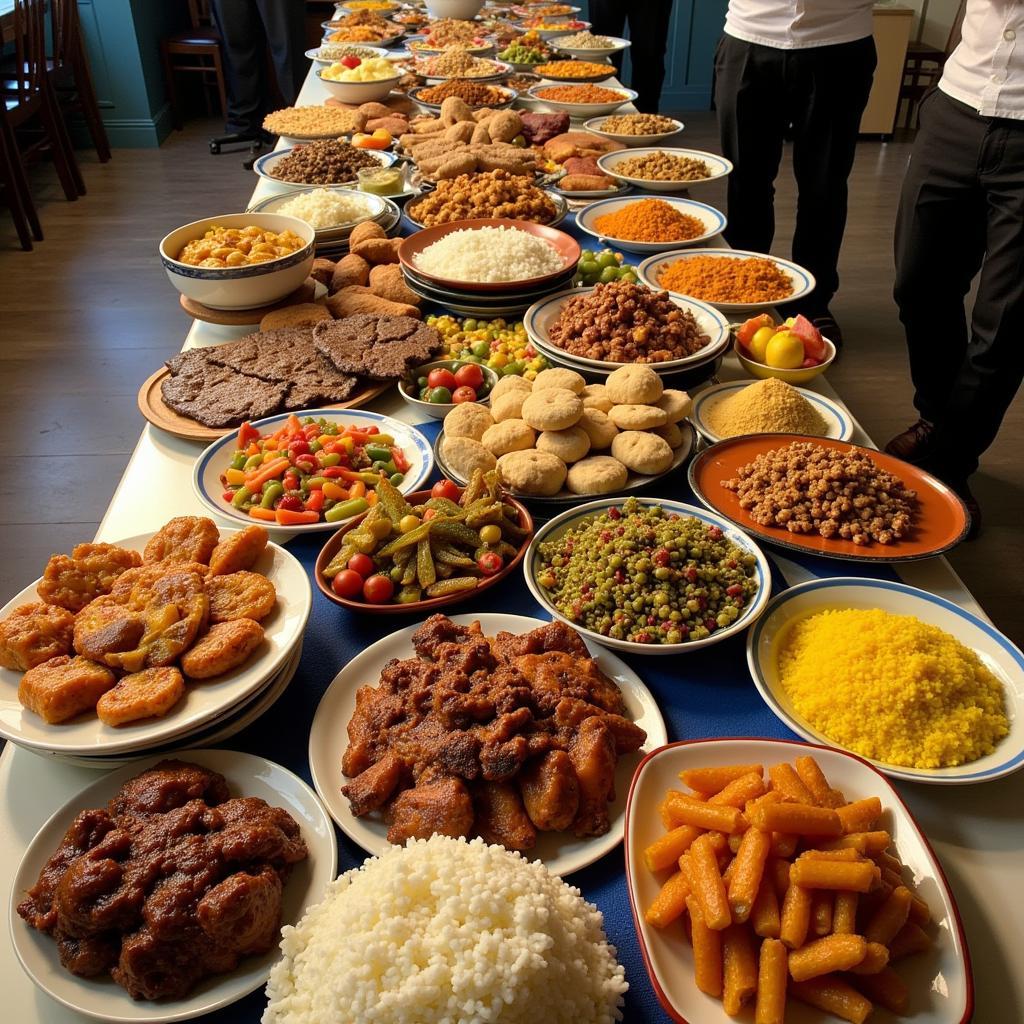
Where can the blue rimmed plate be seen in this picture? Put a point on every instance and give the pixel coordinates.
(998, 654)
(717, 165)
(264, 167)
(215, 460)
(713, 220)
(574, 517)
(837, 419)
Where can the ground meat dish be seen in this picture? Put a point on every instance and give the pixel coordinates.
(623, 322)
(172, 881)
(327, 162)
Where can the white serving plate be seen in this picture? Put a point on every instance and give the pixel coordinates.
(593, 53)
(558, 526)
(719, 166)
(358, 92)
(501, 70)
(314, 54)
(803, 280)
(999, 655)
(264, 168)
(633, 141)
(204, 699)
(375, 208)
(713, 220)
(549, 33)
(101, 998)
(562, 852)
(940, 983)
(840, 426)
(216, 458)
(581, 110)
(541, 315)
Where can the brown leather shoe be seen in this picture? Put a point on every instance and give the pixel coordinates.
(914, 444)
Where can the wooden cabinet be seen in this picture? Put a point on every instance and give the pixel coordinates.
(892, 27)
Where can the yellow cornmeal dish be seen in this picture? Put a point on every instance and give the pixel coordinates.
(892, 688)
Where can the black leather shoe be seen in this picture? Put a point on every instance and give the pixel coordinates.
(914, 444)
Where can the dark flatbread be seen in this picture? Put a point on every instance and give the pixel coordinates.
(224, 398)
(381, 347)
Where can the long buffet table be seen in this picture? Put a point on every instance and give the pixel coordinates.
(975, 830)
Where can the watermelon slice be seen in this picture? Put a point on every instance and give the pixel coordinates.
(814, 347)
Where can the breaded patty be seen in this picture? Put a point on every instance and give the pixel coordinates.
(226, 646)
(34, 633)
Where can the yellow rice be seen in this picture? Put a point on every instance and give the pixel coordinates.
(892, 688)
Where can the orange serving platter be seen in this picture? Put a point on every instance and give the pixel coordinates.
(940, 524)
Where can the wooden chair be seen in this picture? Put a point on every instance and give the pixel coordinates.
(201, 47)
(923, 66)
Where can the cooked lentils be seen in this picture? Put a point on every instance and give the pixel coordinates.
(624, 322)
(810, 488)
(328, 162)
(476, 94)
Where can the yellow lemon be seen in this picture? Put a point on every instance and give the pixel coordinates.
(759, 342)
(785, 351)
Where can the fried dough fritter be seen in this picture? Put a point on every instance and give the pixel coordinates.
(34, 633)
(183, 539)
(240, 595)
(90, 571)
(147, 575)
(239, 551)
(64, 687)
(150, 693)
(226, 646)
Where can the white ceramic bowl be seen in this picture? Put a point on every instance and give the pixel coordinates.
(633, 141)
(374, 208)
(314, 55)
(463, 10)
(596, 53)
(438, 410)
(264, 168)
(243, 287)
(713, 220)
(574, 516)
(358, 92)
(718, 165)
(580, 110)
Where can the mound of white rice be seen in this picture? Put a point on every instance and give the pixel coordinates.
(442, 931)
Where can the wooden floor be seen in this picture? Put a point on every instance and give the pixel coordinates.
(89, 315)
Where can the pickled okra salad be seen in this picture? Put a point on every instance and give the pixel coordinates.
(647, 575)
(402, 553)
(310, 470)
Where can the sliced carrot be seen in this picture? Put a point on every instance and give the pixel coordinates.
(357, 490)
(264, 514)
(333, 491)
(259, 476)
(286, 517)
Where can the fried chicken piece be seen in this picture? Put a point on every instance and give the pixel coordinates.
(34, 633)
(593, 757)
(371, 788)
(150, 693)
(240, 595)
(89, 573)
(438, 805)
(551, 791)
(226, 646)
(64, 687)
(560, 674)
(628, 736)
(183, 539)
(501, 818)
(239, 551)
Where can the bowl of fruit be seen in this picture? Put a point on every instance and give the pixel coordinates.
(436, 388)
(794, 351)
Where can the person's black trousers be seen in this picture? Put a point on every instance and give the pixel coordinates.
(247, 28)
(648, 34)
(961, 211)
(816, 96)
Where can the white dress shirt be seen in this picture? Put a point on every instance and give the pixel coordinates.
(986, 70)
(798, 24)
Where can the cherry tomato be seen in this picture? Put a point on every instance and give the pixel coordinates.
(291, 503)
(489, 563)
(466, 394)
(362, 564)
(378, 589)
(351, 61)
(347, 583)
(445, 489)
(441, 378)
(469, 376)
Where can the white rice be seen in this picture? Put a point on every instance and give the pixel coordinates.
(323, 208)
(489, 255)
(442, 931)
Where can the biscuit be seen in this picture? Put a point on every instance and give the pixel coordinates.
(552, 409)
(508, 406)
(671, 433)
(570, 445)
(508, 436)
(642, 452)
(637, 417)
(465, 455)
(303, 314)
(600, 474)
(532, 472)
(636, 384)
(513, 382)
(677, 404)
(560, 377)
(470, 419)
(595, 396)
(599, 428)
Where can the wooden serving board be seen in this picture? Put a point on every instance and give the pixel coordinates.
(306, 292)
(155, 409)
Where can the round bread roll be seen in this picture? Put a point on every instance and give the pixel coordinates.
(513, 382)
(599, 428)
(671, 433)
(552, 409)
(560, 377)
(677, 404)
(464, 456)
(637, 417)
(595, 396)
(599, 474)
(532, 472)
(642, 452)
(570, 445)
(508, 436)
(636, 384)
(470, 419)
(509, 406)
